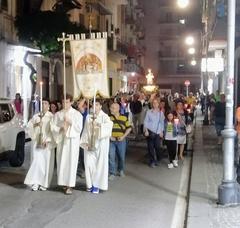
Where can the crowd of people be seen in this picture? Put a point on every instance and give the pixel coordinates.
(91, 141)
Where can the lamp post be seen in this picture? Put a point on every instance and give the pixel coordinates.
(229, 190)
(182, 3)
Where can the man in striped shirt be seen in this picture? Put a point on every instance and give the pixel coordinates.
(120, 130)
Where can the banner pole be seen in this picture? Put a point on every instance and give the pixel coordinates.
(63, 39)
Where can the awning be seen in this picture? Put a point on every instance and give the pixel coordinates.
(101, 8)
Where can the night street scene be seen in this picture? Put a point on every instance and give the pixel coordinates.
(119, 113)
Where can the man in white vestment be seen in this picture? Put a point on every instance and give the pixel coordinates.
(95, 142)
(66, 127)
(40, 173)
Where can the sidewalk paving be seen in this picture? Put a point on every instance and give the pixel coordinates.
(207, 172)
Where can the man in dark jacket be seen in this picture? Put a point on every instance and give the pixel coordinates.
(136, 109)
(220, 113)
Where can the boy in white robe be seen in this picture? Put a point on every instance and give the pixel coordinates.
(66, 127)
(40, 173)
(96, 155)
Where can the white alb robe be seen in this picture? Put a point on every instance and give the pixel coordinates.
(96, 161)
(67, 145)
(42, 165)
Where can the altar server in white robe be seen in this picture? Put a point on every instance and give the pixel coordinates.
(40, 173)
(96, 155)
(66, 127)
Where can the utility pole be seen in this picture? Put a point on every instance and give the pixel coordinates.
(229, 189)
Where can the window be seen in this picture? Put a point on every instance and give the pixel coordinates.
(4, 5)
(81, 19)
(5, 113)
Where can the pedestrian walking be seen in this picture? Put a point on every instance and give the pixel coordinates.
(170, 136)
(220, 113)
(95, 142)
(83, 109)
(136, 110)
(153, 130)
(118, 143)
(40, 173)
(184, 120)
(66, 127)
(18, 103)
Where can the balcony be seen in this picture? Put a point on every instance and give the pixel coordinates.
(122, 48)
(117, 45)
(130, 65)
(169, 23)
(164, 55)
(167, 36)
(130, 20)
(7, 30)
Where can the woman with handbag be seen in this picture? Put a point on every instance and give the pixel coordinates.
(184, 121)
(153, 131)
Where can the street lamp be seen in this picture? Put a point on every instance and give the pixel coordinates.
(182, 3)
(193, 62)
(191, 51)
(189, 40)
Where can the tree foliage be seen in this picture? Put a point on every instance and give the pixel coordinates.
(41, 29)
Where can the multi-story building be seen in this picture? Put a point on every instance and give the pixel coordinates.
(107, 15)
(166, 27)
(214, 17)
(133, 65)
(14, 74)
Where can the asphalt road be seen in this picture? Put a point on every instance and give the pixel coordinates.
(146, 197)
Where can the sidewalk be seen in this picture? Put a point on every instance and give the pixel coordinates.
(207, 171)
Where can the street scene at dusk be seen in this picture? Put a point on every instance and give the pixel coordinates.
(119, 113)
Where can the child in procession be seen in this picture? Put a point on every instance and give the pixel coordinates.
(170, 135)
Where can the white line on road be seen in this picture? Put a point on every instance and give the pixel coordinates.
(181, 202)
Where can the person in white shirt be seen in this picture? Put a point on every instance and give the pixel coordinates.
(66, 127)
(95, 142)
(40, 173)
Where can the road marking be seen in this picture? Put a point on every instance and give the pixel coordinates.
(181, 202)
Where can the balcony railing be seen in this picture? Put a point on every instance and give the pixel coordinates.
(122, 47)
(130, 65)
(169, 54)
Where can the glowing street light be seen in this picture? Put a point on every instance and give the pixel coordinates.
(193, 62)
(191, 51)
(182, 3)
(182, 21)
(189, 40)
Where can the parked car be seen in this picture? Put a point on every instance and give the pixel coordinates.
(12, 134)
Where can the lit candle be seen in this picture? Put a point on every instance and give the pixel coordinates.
(176, 121)
(41, 85)
(94, 102)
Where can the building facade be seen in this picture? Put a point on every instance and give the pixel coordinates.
(165, 28)
(14, 73)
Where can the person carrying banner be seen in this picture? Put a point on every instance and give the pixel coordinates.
(66, 127)
(95, 142)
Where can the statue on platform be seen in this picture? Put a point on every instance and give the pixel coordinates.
(149, 77)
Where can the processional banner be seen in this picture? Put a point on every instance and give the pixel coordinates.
(89, 61)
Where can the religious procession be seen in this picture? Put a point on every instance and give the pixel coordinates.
(87, 133)
(90, 140)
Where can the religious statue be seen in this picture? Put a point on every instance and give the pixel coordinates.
(149, 77)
